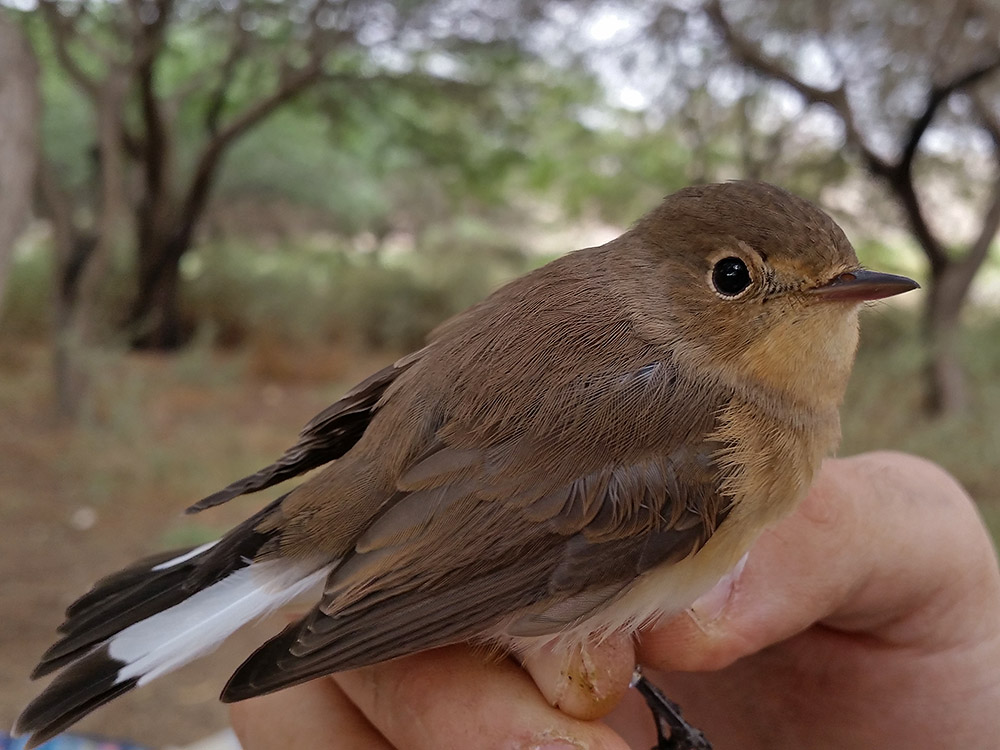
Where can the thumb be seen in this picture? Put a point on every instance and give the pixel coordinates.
(585, 681)
(875, 538)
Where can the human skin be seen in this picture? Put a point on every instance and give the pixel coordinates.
(870, 618)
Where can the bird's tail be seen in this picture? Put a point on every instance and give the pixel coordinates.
(156, 616)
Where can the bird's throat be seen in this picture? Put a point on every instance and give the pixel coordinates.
(807, 359)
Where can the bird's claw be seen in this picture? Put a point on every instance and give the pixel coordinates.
(672, 731)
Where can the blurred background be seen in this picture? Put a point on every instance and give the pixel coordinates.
(216, 216)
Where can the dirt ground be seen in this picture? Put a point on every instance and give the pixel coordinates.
(78, 504)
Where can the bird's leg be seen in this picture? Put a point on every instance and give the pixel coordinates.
(672, 732)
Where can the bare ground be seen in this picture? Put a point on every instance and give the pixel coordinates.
(76, 504)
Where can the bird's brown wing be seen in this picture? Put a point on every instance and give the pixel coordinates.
(327, 436)
(476, 534)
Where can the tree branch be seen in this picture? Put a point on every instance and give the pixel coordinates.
(217, 99)
(148, 36)
(208, 161)
(747, 53)
(899, 174)
(939, 95)
(62, 30)
(750, 56)
(901, 178)
(149, 45)
(291, 86)
(901, 183)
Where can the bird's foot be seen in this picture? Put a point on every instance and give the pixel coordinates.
(672, 731)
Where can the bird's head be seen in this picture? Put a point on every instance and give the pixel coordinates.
(761, 286)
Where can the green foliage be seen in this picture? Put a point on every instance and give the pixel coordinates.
(68, 126)
(322, 295)
(479, 128)
(293, 157)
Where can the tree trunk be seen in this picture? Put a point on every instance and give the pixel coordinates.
(73, 250)
(68, 365)
(82, 256)
(946, 393)
(165, 232)
(156, 321)
(19, 107)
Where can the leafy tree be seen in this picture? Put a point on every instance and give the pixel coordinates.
(172, 85)
(913, 85)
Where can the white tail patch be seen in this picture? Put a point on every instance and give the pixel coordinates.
(185, 557)
(196, 626)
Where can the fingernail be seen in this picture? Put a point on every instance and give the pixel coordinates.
(583, 680)
(548, 666)
(559, 670)
(581, 670)
(709, 606)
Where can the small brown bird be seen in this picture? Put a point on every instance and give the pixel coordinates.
(591, 447)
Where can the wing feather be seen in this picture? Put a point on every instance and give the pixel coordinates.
(327, 436)
(553, 542)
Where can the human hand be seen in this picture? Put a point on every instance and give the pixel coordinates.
(869, 618)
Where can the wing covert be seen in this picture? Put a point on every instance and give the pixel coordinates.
(554, 541)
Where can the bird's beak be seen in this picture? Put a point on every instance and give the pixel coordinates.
(861, 285)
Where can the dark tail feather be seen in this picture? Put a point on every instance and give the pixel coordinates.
(123, 580)
(148, 587)
(328, 436)
(89, 683)
(98, 666)
(112, 615)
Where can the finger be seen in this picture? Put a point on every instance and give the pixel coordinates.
(932, 558)
(873, 541)
(456, 698)
(314, 715)
(585, 681)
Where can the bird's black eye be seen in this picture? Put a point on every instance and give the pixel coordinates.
(730, 277)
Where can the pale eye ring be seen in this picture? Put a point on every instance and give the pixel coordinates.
(731, 277)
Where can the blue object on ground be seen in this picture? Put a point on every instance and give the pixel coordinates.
(68, 742)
